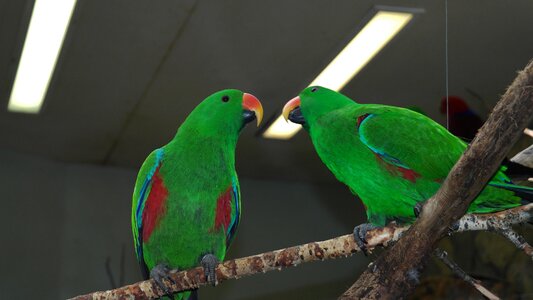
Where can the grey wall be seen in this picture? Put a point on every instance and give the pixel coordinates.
(62, 222)
(32, 215)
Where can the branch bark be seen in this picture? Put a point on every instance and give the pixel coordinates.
(290, 257)
(393, 274)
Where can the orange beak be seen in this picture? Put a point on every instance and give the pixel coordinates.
(251, 103)
(290, 106)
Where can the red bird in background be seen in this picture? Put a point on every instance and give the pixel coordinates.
(462, 121)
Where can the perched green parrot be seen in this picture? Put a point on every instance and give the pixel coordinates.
(393, 158)
(186, 203)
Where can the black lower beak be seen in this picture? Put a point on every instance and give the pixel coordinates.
(248, 116)
(296, 116)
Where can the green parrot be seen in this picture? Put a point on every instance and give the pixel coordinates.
(186, 202)
(393, 158)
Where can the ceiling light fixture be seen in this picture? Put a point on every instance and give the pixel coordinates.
(380, 30)
(46, 32)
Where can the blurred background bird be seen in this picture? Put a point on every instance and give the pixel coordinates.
(463, 122)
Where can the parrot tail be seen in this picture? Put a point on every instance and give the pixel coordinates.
(524, 192)
(194, 295)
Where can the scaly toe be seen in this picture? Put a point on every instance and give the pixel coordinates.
(209, 263)
(359, 233)
(161, 275)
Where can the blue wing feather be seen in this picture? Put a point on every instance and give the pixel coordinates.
(236, 217)
(143, 195)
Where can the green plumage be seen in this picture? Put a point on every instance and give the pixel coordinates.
(186, 190)
(390, 157)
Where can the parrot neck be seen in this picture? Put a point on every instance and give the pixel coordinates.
(216, 144)
(326, 108)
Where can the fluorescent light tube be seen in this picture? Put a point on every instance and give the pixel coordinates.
(281, 129)
(46, 32)
(364, 46)
(359, 51)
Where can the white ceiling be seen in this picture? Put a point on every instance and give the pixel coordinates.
(130, 71)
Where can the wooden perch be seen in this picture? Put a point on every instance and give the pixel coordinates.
(393, 275)
(290, 257)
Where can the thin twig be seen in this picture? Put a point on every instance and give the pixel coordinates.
(109, 272)
(443, 256)
(529, 132)
(122, 264)
(524, 157)
(290, 257)
(516, 239)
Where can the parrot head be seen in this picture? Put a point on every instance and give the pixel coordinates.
(313, 102)
(225, 111)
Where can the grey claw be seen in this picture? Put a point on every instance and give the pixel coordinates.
(209, 263)
(418, 208)
(359, 233)
(454, 227)
(161, 273)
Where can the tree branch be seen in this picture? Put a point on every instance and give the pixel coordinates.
(516, 239)
(390, 276)
(290, 257)
(528, 132)
(443, 256)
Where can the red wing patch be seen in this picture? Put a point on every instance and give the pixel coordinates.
(361, 118)
(223, 210)
(155, 206)
(394, 169)
(409, 174)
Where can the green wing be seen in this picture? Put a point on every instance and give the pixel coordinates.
(409, 140)
(412, 141)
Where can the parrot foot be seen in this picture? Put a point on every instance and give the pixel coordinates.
(418, 208)
(161, 273)
(359, 234)
(209, 263)
(454, 227)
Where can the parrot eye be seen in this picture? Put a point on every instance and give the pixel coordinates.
(314, 89)
(225, 98)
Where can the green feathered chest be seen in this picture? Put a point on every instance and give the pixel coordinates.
(199, 204)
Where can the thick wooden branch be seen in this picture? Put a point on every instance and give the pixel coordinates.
(391, 275)
(290, 257)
